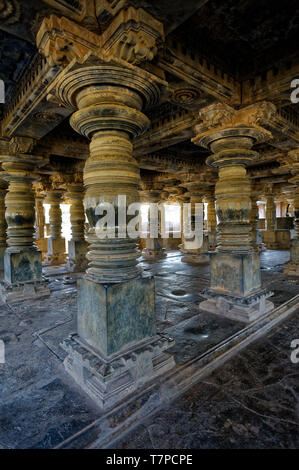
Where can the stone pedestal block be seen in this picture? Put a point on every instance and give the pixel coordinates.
(77, 261)
(113, 316)
(42, 244)
(235, 287)
(22, 276)
(200, 255)
(22, 266)
(116, 350)
(108, 382)
(153, 249)
(235, 273)
(276, 239)
(293, 265)
(56, 251)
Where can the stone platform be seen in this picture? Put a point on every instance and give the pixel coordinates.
(42, 407)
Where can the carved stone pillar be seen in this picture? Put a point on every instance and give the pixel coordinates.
(270, 235)
(3, 225)
(153, 248)
(293, 265)
(116, 314)
(56, 243)
(235, 289)
(22, 259)
(254, 216)
(212, 222)
(196, 191)
(77, 246)
(40, 241)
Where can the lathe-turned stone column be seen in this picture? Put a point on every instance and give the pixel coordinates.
(269, 235)
(254, 217)
(3, 225)
(235, 289)
(293, 265)
(77, 246)
(212, 221)
(56, 243)
(22, 259)
(153, 248)
(40, 241)
(195, 249)
(116, 312)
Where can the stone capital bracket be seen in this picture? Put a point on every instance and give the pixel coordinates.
(133, 36)
(230, 134)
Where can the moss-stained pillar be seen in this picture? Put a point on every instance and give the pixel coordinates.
(41, 240)
(293, 265)
(195, 248)
(212, 222)
(235, 289)
(56, 243)
(77, 245)
(3, 225)
(116, 312)
(254, 217)
(22, 259)
(153, 246)
(270, 233)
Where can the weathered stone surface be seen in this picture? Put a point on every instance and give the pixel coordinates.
(112, 317)
(23, 266)
(77, 251)
(235, 273)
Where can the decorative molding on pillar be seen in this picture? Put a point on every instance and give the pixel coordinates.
(133, 36)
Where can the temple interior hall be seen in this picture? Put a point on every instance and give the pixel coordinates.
(149, 224)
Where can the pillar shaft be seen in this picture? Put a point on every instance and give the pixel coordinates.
(3, 224)
(254, 217)
(56, 243)
(233, 207)
(271, 213)
(235, 290)
(212, 221)
(116, 312)
(40, 217)
(22, 260)
(77, 246)
(109, 172)
(153, 246)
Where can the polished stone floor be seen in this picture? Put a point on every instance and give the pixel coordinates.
(251, 402)
(40, 406)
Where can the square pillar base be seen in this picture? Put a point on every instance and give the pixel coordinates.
(13, 293)
(149, 253)
(235, 273)
(56, 252)
(199, 255)
(109, 381)
(276, 239)
(77, 261)
(22, 265)
(116, 349)
(243, 309)
(292, 268)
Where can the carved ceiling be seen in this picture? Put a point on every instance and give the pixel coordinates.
(232, 52)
